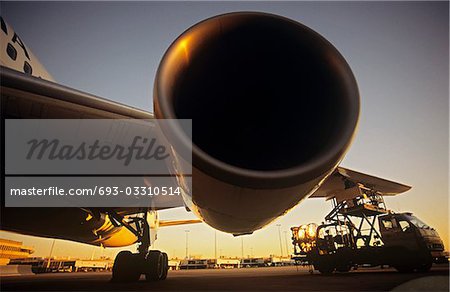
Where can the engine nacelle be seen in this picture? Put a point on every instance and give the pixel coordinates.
(274, 107)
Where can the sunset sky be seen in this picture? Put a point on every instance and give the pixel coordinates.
(398, 52)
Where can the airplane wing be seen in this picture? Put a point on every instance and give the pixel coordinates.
(24, 96)
(27, 97)
(342, 182)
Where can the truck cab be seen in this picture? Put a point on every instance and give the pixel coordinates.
(415, 237)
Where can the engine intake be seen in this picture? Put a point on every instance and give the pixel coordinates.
(274, 108)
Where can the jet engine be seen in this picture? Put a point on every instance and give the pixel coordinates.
(274, 107)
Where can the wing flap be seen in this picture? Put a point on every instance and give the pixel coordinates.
(345, 183)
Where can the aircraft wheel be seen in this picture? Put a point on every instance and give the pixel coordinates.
(125, 268)
(156, 266)
(166, 266)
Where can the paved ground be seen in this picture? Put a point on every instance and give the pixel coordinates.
(278, 278)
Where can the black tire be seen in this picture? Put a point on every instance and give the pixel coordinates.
(125, 268)
(325, 264)
(326, 270)
(325, 267)
(404, 268)
(155, 266)
(344, 268)
(166, 266)
(424, 267)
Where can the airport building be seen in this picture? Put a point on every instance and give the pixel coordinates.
(47, 265)
(11, 249)
(221, 263)
(228, 263)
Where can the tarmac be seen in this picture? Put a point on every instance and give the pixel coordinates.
(249, 279)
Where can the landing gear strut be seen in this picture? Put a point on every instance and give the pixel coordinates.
(129, 267)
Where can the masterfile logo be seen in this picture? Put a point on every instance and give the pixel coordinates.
(95, 163)
(93, 146)
(140, 148)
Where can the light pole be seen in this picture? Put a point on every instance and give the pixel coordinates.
(93, 252)
(51, 249)
(242, 247)
(187, 243)
(51, 253)
(286, 241)
(279, 236)
(215, 244)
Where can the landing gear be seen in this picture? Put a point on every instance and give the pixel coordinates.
(128, 267)
(156, 266)
(125, 268)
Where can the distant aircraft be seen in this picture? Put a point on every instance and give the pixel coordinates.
(274, 108)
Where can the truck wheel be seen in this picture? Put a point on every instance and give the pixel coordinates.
(325, 268)
(404, 269)
(424, 267)
(344, 268)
